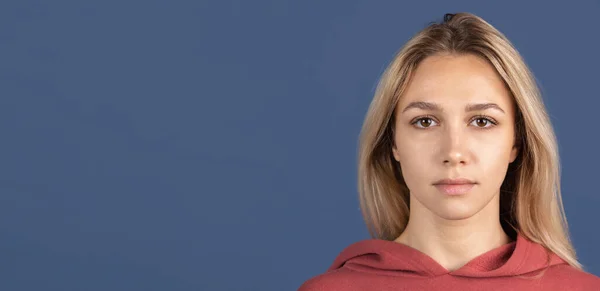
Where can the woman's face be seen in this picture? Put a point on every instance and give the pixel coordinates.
(455, 120)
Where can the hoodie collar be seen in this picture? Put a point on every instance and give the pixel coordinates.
(515, 258)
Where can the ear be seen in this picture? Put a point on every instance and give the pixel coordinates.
(513, 153)
(395, 152)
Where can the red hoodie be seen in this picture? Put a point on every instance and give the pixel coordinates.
(381, 265)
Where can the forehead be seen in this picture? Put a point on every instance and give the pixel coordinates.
(451, 79)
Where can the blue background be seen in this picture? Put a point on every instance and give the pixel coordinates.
(211, 145)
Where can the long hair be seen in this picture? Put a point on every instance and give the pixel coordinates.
(530, 197)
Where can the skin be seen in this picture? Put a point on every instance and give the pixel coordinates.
(448, 142)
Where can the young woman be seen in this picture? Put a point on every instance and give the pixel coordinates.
(458, 174)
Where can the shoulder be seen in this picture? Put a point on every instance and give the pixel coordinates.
(339, 277)
(333, 280)
(575, 277)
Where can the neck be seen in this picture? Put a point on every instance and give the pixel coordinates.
(453, 243)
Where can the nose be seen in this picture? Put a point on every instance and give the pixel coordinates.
(454, 147)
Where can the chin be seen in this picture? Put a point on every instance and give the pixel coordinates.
(450, 208)
(455, 210)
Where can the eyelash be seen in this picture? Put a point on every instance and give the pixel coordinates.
(492, 121)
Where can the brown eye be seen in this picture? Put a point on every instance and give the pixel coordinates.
(481, 121)
(424, 122)
(484, 122)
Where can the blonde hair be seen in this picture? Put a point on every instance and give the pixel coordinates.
(530, 196)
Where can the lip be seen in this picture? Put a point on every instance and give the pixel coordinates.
(457, 186)
(457, 181)
(454, 189)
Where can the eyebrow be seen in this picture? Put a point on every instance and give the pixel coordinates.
(435, 107)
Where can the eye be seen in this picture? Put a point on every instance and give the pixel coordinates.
(423, 122)
(483, 121)
(480, 121)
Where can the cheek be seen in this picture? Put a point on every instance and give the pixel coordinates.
(415, 163)
(489, 156)
(493, 161)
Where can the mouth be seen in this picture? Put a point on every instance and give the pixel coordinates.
(456, 181)
(458, 186)
(454, 189)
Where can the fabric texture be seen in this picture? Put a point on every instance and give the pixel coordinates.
(376, 264)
